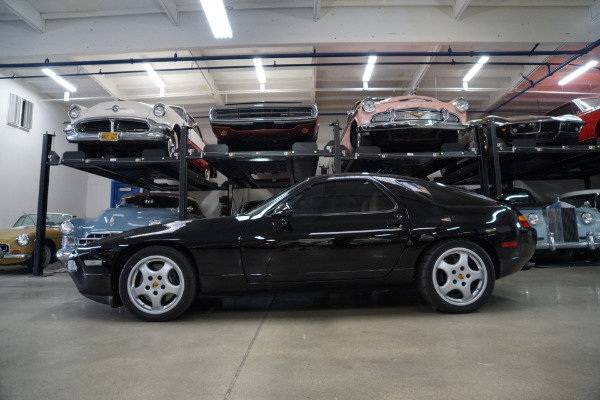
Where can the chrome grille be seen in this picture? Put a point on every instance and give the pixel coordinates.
(563, 223)
(4, 247)
(263, 113)
(94, 126)
(92, 237)
(124, 125)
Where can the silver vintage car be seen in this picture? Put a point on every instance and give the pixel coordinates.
(565, 226)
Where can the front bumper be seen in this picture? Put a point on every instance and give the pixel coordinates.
(93, 280)
(8, 258)
(588, 243)
(414, 124)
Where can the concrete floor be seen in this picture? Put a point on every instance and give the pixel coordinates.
(537, 338)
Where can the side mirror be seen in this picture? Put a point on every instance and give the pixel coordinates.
(282, 213)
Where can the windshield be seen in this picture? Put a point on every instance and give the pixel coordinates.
(273, 200)
(51, 220)
(589, 104)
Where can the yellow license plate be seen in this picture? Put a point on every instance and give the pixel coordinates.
(110, 136)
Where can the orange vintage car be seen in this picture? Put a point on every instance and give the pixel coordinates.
(405, 123)
(17, 243)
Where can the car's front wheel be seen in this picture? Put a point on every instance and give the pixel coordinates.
(456, 276)
(158, 284)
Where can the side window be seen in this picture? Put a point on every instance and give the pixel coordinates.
(341, 197)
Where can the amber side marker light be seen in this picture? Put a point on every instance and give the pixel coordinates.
(524, 222)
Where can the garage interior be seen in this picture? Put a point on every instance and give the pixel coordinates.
(537, 338)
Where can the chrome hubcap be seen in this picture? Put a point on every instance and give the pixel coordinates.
(155, 284)
(459, 276)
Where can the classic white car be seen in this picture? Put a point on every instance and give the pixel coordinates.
(126, 128)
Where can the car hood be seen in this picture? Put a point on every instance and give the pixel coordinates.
(529, 118)
(12, 233)
(126, 218)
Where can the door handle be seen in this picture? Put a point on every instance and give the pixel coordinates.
(393, 223)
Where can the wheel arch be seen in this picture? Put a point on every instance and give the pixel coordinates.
(484, 244)
(121, 259)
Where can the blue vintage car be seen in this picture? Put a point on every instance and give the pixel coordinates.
(133, 211)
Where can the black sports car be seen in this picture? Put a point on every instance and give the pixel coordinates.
(327, 232)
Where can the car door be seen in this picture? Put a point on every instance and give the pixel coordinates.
(338, 229)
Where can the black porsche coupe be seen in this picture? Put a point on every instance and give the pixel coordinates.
(327, 232)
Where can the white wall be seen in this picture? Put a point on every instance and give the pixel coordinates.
(20, 161)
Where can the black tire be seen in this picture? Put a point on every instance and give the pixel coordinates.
(456, 276)
(158, 284)
(49, 256)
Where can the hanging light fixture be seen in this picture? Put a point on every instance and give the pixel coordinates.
(59, 80)
(579, 71)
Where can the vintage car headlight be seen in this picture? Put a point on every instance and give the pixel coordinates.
(533, 219)
(74, 111)
(23, 239)
(67, 227)
(461, 104)
(368, 105)
(587, 218)
(159, 110)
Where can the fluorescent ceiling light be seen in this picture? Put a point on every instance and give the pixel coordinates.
(67, 96)
(369, 68)
(217, 18)
(159, 82)
(59, 80)
(577, 72)
(475, 68)
(260, 72)
(262, 87)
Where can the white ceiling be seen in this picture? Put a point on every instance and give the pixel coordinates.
(313, 51)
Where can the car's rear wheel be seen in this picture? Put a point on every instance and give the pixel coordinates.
(456, 276)
(158, 284)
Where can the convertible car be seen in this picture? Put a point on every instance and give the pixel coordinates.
(133, 211)
(405, 123)
(264, 126)
(588, 109)
(18, 243)
(326, 232)
(127, 128)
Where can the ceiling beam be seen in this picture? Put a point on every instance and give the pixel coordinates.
(218, 98)
(459, 8)
(171, 10)
(316, 9)
(27, 13)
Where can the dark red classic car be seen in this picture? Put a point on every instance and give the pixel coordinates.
(588, 109)
(264, 126)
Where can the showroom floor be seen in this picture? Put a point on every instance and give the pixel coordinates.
(537, 338)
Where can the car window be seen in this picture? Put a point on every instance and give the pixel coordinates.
(342, 196)
(563, 110)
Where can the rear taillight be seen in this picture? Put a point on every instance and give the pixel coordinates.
(524, 222)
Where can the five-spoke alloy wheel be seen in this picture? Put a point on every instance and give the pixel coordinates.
(158, 284)
(456, 276)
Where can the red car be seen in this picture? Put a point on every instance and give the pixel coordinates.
(587, 109)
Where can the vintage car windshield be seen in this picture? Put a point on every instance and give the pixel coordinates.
(589, 104)
(149, 202)
(51, 220)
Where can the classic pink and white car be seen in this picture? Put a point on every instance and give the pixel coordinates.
(126, 128)
(405, 123)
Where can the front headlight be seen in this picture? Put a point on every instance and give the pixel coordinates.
(533, 219)
(461, 104)
(587, 218)
(74, 111)
(159, 110)
(67, 227)
(368, 105)
(23, 239)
